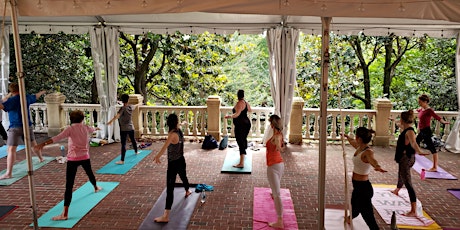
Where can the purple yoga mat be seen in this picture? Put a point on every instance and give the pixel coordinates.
(422, 162)
(455, 192)
(264, 209)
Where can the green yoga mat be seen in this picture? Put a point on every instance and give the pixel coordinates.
(3, 150)
(20, 169)
(233, 158)
(131, 159)
(83, 200)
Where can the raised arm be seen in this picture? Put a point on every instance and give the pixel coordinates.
(352, 141)
(369, 158)
(39, 94)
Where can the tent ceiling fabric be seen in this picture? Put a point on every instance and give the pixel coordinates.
(436, 18)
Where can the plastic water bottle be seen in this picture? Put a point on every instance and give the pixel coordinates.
(63, 151)
(203, 197)
(422, 174)
(419, 209)
(393, 225)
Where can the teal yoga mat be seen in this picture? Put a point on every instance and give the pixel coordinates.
(20, 169)
(3, 149)
(83, 200)
(232, 158)
(131, 160)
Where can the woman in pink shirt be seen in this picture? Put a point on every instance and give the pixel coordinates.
(275, 166)
(78, 154)
(424, 127)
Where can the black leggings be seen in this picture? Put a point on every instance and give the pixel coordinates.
(241, 135)
(404, 176)
(361, 202)
(175, 167)
(425, 135)
(71, 172)
(123, 137)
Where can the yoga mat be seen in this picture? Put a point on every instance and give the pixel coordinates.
(386, 202)
(233, 158)
(4, 153)
(83, 200)
(6, 209)
(131, 159)
(264, 209)
(334, 218)
(20, 169)
(455, 192)
(181, 210)
(422, 162)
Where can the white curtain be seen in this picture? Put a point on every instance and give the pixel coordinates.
(105, 52)
(5, 74)
(282, 47)
(453, 140)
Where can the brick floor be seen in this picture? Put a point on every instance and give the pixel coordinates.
(230, 205)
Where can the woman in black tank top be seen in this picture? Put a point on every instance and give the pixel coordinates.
(242, 125)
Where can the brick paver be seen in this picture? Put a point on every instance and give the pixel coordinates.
(230, 205)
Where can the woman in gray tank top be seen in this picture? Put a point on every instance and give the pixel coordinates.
(176, 164)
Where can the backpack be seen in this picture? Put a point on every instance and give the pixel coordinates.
(209, 142)
(223, 143)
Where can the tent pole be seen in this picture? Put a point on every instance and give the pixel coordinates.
(326, 21)
(24, 112)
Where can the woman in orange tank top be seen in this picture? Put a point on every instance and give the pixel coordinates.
(275, 167)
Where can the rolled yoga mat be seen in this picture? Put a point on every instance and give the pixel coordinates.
(83, 200)
(264, 209)
(181, 210)
(20, 169)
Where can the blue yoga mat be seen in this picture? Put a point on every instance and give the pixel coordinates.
(131, 159)
(181, 211)
(233, 158)
(3, 150)
(83, 200)
(20, 169)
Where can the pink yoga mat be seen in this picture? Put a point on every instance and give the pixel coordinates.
(422, 162)
(264, 209)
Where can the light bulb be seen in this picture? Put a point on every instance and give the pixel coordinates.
(286, 3)
(108, 5)
(323, 7)
(75, 4)
(361, 7)
(39, 4)
(144, 3)
(401, 7)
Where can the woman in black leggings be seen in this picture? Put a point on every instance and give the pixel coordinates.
(242, 125)
(176, 164)
(406, 147)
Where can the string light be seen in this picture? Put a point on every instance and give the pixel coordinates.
(39, 4)
(179, 2)
(286, 3)
(323, 7)
(361, 7)
(401, 7)
(108, 5)
(144, 3)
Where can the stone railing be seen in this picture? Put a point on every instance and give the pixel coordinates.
(53, 116)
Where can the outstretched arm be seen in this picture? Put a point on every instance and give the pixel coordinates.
(39, 94)
(171, 137)
(41, 145)
(113, 119)
(352, 141)
(369, 157)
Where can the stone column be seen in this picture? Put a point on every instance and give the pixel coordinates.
(214, 118)
(296, 121)
(383, 107)
(137, 99)
(56, 116)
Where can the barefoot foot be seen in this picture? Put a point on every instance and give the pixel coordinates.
(187, 193)
(410, 214)
(276, 225)
(161, 219)
(5, 176)
(60, 217)
(119, 162)
(396, 192)
(432, 170)
(238, 166)
(98, 189)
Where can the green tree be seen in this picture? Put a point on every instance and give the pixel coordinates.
(55, 62)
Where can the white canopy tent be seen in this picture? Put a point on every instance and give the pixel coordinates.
(436, 18)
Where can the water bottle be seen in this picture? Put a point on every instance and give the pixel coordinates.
(393, 225)
(203, 197)
(422, 174)
(63, 151)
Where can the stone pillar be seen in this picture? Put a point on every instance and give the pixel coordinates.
(296, 121)
(383, 107)
(214, 118)
(137, 99)
(56, 116)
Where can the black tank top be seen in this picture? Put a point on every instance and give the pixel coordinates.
(176, 151)
(243, 117)
(401, 146)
